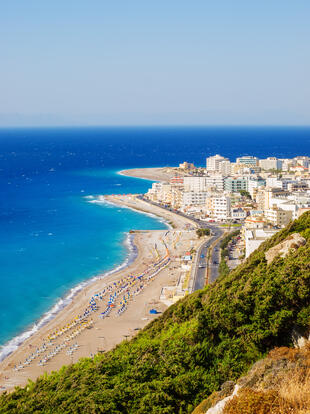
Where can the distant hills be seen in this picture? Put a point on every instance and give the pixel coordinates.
(179, 359)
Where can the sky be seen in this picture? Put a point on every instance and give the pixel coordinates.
(163, 62)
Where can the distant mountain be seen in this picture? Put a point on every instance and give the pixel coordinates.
(209, 337)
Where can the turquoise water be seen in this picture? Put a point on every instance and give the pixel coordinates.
(52, 239)
(68, 240)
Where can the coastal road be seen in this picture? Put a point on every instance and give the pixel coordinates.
(201, 265)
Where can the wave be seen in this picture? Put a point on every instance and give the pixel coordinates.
(18, 340)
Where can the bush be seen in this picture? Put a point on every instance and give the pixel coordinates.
(202, 232)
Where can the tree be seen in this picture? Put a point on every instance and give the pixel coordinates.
(245, 193)
(203, 232)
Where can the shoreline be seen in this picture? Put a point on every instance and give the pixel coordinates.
(151, 174)
(66, 300)
(14, 343)
(106, 200)
(140, 243)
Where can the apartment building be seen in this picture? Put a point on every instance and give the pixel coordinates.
(160, 193)
(192, 198)
(278, 217)
(221, 207)
(234, 185)
(254, 183)
(196, 183)
(238, 214)
(271, 163)
(303, 161)
(248, 160)
(212, 163)
(225, 168)
(215, 182)
(204, 183)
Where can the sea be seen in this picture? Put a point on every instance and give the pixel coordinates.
(54, 239)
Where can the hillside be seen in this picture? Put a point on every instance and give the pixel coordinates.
(211, 336)
(276, 384)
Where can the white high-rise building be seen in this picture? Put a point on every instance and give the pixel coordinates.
(271, 163)
(212, 163)
(195, 183)
(247, 160)
(221, 207)
(215, 182)
(204, 183)
(225, 167)
(191, 198)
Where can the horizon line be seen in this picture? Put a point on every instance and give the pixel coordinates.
(159, 126)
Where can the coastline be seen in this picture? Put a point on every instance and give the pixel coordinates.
(108, 200)
(138, 258)
(12, 345)
(151, 174)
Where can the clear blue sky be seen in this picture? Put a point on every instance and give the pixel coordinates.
(69, 62)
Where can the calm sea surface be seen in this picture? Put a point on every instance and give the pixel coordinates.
(52, 238)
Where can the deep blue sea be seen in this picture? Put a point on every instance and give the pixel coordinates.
(52, 238)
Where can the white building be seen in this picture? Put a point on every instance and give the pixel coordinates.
(195, 183)
(278, 217)
(287, 164)
(238, 214)
(271, 163)
(221, 207)
(254, 183)
(215, 182)
(234, 185)
(225, 167)
(248, 160)
(274, 182)
(255, 237)
(204, 183)
(212, 163)
(303, 160)
(191, 198)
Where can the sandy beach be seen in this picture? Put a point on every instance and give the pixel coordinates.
(83, 328)
(154, 174)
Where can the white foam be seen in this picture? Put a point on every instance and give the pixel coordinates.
(14, 343)
(102, 200)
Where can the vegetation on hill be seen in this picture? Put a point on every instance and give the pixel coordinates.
(278, 384)
(223, 267)
(200, 342)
